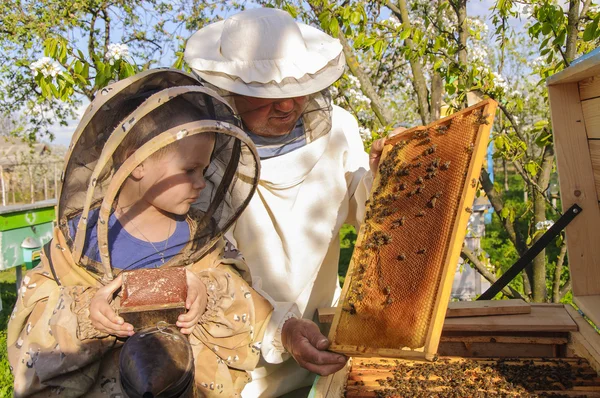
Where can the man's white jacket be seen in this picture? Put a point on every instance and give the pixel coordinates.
(289, 236)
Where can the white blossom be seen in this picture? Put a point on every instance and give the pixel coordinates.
(525, 10)
(334, 91)
(545, 225)
(499, 81)
(365, 133)
(354, 80)
(115, 52)
(46, 66)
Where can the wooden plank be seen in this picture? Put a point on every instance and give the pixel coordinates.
(595, 156)
(332, 385)
(577, 186)
(326, 315)
(591, 117)
(504, 350)
(589, 88)
(541, 319)
(590, 306)
(505, 339)
(578, 71)
(458, 309)
(459, 231)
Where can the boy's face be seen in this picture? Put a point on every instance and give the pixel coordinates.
(173, 181)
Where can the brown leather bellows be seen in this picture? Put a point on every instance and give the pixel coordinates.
(157, 362)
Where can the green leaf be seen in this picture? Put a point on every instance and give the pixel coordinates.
(346, 13)
(54, 90)
(378, 48)
(404, 34)
(334, 27)
(78, 67)
(85, 73)
(590, 30)
(532, 168)
(355, 18)
(546, 28)
(80, 79)
(291, 10)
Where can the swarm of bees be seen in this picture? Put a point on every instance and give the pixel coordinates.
(470, 378)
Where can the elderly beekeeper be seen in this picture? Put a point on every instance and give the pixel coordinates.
(315, 177)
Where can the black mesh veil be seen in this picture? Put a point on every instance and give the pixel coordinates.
(164, 114)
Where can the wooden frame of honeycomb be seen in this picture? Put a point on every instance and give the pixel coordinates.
(398, 284)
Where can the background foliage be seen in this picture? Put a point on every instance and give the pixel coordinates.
(410, 62)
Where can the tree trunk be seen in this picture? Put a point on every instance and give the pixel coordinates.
(539, 215)
(55, 181)
(572, 31)
(31, 190)
(3, 186)
(419, 82)
(437, 90)
(45, 187)
(558, 272)
(506, 188)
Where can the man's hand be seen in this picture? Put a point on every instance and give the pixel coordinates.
(102, 315)
(195, 303)
(375, 154)
(377, 150)
(308, 346)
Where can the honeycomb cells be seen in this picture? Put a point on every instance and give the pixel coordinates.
(399, 258)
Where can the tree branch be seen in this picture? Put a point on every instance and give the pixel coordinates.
(585, 9)
(106, 29)
(92, 40)
(496, 201)
(469, 256)
(418, 80)
(382, 113)
(528, 180)
(565, 289)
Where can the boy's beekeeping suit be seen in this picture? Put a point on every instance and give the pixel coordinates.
(52, 346)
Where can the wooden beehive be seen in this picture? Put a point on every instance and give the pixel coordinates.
(575, 106)
(398, 284)
(551, 335)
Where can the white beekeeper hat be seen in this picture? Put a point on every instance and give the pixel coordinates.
(264, 53)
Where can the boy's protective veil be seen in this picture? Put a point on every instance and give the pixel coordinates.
(94, 175)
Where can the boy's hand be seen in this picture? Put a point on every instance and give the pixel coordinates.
(195, 303)
(102, 315)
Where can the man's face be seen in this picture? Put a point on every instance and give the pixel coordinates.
(270, 117)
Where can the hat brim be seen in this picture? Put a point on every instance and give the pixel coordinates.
(288, 88)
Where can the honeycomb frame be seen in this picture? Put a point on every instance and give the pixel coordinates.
(396, 291)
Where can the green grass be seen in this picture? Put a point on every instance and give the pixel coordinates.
(8, 292)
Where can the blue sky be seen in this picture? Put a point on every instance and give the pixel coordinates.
(63, 133)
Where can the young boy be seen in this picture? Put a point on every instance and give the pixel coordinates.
(153, 179)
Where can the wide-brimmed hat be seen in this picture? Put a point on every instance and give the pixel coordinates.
(264, 53)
